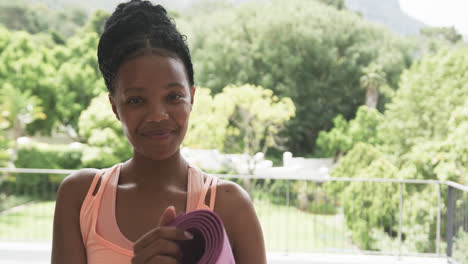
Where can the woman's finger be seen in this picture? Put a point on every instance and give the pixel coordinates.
(163, 260)
(161, 247)
(158, 260)
(163, 232)
(167, 216)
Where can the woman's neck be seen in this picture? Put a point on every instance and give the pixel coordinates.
(143, 171)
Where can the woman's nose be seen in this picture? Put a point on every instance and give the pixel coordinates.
(157, 113)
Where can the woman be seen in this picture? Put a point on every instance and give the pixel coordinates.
(120, 215)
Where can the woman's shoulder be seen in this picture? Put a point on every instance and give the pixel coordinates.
(231, 198)
(232, 191)
(236, 209)
(74, 187)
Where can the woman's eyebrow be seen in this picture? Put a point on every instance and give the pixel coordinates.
(133, 89)
(174, 85)
(140, 89)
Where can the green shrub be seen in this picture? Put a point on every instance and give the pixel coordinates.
(4, 156)
(323, 208)
(44, 156)
(9, 201)
(102, 133)
(460, 247)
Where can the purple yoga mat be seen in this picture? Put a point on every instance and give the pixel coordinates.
(210, 244)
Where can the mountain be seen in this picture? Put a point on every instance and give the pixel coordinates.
(109, 5)
(387, 12)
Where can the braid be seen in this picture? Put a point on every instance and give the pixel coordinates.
(134, 27)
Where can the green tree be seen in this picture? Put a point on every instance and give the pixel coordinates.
(97, 21)
(242, 119)
(441, 159)
(339, 4)
(18, 16)
(103, 135)
(203, 7)
(78, 79)
(299, 49)
(65, 77)
(4, 146)
(429, 92)
(372, 79)
(344, 135)
(209, 121)
(448, 34)
(421, 135)
(37, 18)
(236, 121)
(256, 119)
(18, 109)
(28, 66)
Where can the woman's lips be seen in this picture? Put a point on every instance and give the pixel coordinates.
(158, 134)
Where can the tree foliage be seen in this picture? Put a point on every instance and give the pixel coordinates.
(235, 120)
(27, 66)
(449, 34)
(372, 80)
(208, 121)
(103, 135)
(429, 93)
(63, 78)
(421, 135)
(304, 50)
(344, 135)
(257, 117)
(96, 22)
(38, 18)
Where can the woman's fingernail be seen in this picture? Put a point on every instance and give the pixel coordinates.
(188, 235)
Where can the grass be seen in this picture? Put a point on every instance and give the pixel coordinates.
(284, 228)
(30, 222)
(11, 201)
(287, 228)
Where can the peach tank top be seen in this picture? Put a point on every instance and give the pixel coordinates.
(101, 235)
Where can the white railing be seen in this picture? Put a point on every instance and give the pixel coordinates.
(447, 195)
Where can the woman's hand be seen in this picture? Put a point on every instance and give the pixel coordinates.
(159, 245)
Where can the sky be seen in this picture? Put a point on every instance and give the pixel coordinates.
(439, 12)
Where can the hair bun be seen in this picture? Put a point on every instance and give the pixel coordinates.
(134, 26)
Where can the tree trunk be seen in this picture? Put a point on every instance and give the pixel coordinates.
(372, 97)
(18, 132)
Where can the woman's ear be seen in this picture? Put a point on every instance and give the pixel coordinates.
(192, 94)
(114, 108)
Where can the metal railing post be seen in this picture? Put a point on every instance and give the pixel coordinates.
(439, 207)
(400, 221)
(287, 215)
(450, 211)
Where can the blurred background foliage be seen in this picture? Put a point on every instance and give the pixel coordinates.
(308, 76)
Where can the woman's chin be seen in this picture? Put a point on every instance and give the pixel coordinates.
(157, 155)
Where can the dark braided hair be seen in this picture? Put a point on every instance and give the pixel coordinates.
(136, 27)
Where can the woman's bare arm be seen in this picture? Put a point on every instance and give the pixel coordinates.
(67, 244)
(235, 207)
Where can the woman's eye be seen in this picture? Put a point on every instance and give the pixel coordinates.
(175, 97)
(134, 100)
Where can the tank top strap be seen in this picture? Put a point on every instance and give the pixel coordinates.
(213, 193)
(89, 196)
(197, 190)
(194, 185)
(88, 211)
(95, 181)
(211, 180)
(107, 175)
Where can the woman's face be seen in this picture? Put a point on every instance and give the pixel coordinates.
(153, 100)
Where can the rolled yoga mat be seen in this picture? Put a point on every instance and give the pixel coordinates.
(210, 244)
